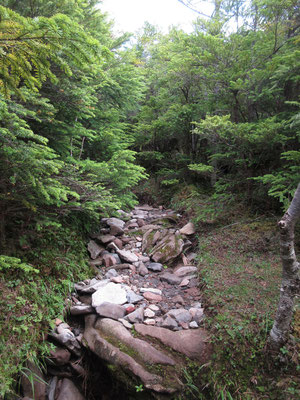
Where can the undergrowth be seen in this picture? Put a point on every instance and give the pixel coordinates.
(34, 286)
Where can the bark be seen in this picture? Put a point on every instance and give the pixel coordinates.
(290, 276)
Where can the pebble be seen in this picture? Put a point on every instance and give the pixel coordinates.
(149, 313)
(149, 321)
(156, 267)
(151, 290)
(152, 296)
(193, 325)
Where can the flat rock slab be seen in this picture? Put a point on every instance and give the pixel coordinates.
(111, 354)
(111, 293)
(194, 344)
(144, 350)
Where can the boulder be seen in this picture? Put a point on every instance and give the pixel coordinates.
(167, 249)
(195, 343)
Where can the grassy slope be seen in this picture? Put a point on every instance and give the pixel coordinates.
(30, 301)
(239, 266)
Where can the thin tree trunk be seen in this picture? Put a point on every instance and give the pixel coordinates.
(290, 276)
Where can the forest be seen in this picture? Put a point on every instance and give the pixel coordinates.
(207, 123)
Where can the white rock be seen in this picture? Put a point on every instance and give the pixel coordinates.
(149, 321)
(193, 325)
(153, 307)
(111, 293)
(149, 313)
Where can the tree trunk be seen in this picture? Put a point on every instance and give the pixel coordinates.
(290, 276)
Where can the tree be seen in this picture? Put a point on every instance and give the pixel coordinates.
(290, 275)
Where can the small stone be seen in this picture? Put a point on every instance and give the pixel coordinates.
(117, 279)
(111, 310)
(126, 323)
(193, 325)
(197, 314)
(184, 282)
(118, 242)
(151, 290)
(136, 316)
(111, 273)
(127, 256)
(152, 296)
(106, 238)
(130, 309)
(62, 327)
(169, 323)
(172, 279)
(184, 325)
(133, 297)
(149, 313)
(60, 356)
(184, 271)
(142, 269)
(156, 267)
(58, 321)
(94, 249)
(188, 229)
(178, 299)
(149, 321)
(143, 258)
(181, 315)
(115, 222)
(153, 307)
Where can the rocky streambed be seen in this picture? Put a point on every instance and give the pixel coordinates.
(132, 329)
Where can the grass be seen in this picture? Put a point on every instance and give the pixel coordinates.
(240, 275)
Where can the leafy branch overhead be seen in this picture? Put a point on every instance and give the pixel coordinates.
(29, 46)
